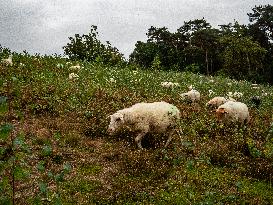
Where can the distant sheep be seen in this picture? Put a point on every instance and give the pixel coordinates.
(157, 117)
(7, 61)
(192, 96)
(169, 84)
(75, 67)
(233, 112)
(216, 102)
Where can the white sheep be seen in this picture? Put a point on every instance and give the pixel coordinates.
(233, 111)
(7, 61)
(73, 76)
(156, 117)
(216, 102)
(192, 96)
(169, 84)
(75, 67)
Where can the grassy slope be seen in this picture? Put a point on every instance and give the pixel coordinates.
(211, 164)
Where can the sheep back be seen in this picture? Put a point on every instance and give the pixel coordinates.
(233, 111)
(151, 117)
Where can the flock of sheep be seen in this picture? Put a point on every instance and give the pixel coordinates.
(162, 117)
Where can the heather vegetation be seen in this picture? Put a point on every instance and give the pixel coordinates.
(54, 145)
(54, 148)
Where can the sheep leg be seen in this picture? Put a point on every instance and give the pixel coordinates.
(139, 138)
(170, 138)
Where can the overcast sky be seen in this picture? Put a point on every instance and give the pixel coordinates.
(43, 26)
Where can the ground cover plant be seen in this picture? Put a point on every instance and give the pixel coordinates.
(55, 148)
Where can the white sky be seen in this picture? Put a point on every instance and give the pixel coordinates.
(43, 26)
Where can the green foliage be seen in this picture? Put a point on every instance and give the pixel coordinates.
(156, 63)
(3, 105)
(49, 176)
(89, 47)
(242, 57)
(5, 131)
(194, 68)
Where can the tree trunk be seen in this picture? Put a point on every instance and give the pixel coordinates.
(248, 62)
(211, 70)
(207, 62)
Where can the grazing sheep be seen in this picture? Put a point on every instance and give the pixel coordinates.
(157, 117)
(7, 61)
(169, 84)
(216, 102)
(75, 67)
(192, 96)
(73, 76)
(233, 111)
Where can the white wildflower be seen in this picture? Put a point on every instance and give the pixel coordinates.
(211, 92)
(59, 65)
(230, 94)
(73, 76)
(237, 94)
(21, 64)
(264, 93)
(254, 86)
(112, 80)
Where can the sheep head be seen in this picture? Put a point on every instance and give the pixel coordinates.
(116, 122)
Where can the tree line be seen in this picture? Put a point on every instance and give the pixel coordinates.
(233, 50)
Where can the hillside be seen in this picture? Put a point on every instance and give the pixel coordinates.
(64, 155)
